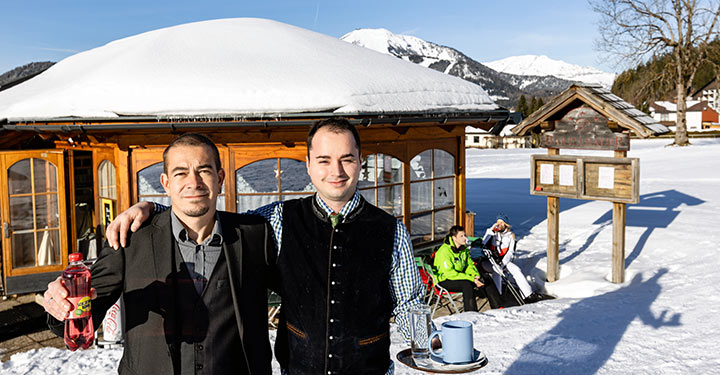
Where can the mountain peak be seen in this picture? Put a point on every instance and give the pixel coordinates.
(541, 65)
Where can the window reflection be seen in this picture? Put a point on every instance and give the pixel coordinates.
(381, 182)
(432, 192)
(269, 180)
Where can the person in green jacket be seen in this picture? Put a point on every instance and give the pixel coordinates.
(457, 272)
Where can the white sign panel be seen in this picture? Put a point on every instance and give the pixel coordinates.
(566, 175)
(606, 177)
(546, 174)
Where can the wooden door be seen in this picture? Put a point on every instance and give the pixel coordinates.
(33, 213)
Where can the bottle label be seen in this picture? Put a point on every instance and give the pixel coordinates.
(80, 307)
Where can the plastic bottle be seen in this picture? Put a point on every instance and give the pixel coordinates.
(79, 332)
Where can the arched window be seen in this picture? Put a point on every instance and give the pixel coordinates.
(150, 189)
(107, 187)
(269, 180)
(34, 213)
(432, 194)
(381, 182)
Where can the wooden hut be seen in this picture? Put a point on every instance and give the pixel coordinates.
(84, 140)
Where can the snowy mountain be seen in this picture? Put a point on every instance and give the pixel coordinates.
(503, 87)
(533, 65)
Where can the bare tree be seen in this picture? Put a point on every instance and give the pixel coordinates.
(635, 30)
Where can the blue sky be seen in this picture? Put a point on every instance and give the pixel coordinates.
(485, 30)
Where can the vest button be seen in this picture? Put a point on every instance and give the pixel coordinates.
(334, 265)
(329, 355)
(330, 337)
(332, 283)
(199, 366)
(335, 247)
(332, 301)
(199, 347)
(332, 320)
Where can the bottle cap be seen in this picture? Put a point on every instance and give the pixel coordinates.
(75, 257)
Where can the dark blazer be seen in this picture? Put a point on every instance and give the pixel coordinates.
(142, 272)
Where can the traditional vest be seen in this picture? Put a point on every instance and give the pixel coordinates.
(208, 340)
(336, 308)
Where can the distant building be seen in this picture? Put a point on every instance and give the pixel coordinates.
(709, 93)
(700, 114)
(479, 138)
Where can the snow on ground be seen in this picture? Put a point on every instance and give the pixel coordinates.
(662, 320)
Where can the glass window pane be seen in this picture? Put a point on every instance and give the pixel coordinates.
(45, 175)
(443, 221)
(21, 213)
(149, 180)
(257, 177)
(367, 171)
(421, 166)
(220, 203)
(165, 201)
(19, 177)
(48, 247)
(23, 250)
(390, 199)
(389, 170)
(369, 195)
(294, 177)
(420, 227)
(106, 183)
(251, 202)
(444, 164)
(287, 197)
(47, 213)
(445, 192)
(420, 196)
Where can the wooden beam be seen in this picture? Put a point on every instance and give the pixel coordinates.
(553, 226)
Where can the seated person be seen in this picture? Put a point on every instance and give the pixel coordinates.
(457, 272)
(501, 242)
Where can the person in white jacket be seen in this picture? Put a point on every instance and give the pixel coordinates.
(501, 241)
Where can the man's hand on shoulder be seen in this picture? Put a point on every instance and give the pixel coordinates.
(129, 220)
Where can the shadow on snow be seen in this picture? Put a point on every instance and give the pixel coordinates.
(591, 328)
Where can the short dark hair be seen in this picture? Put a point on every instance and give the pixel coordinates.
(455, 229)
(335, 125)
(193, 139)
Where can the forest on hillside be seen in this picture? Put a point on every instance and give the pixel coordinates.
(653, 80)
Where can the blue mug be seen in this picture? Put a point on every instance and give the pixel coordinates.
(456, 337)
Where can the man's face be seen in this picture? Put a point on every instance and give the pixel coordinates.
(460, 239)
(192, 180)
(334, 166)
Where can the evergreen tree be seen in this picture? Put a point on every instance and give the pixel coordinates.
(540, 103)
(533, 105)
(522, 106)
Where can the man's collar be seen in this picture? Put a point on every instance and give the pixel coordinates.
(347, 208)
(180, 233)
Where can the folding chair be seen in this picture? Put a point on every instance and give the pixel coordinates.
(274, 303)
(426, 279)
(443, 298)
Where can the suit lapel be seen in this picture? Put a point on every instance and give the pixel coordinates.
(232, 248)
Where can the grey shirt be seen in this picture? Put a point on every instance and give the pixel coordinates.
(200, 259)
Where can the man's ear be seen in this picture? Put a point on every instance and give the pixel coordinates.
(164, 181)
(221, 177)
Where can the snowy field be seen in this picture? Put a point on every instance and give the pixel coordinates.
(662, 320)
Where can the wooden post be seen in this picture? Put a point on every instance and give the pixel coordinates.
(469, 224)
(553, 225)
(618, 250)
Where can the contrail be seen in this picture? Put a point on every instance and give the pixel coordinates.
(317, 13)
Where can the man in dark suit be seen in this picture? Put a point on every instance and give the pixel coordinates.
(193, 279)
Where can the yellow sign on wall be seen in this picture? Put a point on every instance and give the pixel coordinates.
(108, 211)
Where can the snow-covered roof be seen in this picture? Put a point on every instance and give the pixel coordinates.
(239, 66)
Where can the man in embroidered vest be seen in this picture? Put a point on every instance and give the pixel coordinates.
(345, 266)
(193, 279)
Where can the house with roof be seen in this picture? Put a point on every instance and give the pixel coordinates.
(709, 93)
(479, 138)
(83, 140)
(699, 115)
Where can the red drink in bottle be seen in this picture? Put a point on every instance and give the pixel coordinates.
(79, 332)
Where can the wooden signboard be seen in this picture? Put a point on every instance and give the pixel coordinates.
(554, 175)
(586, 177)
(610, 179)
(584, 128)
